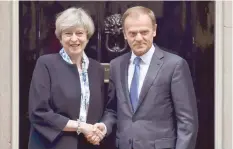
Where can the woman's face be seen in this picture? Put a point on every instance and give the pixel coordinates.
(74, 40)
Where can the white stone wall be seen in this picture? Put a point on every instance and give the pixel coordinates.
(227, 75)
(5, 73)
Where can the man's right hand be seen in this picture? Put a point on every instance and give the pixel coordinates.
(99, 133)
(86, 129)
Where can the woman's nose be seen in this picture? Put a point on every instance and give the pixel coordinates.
(74, 37)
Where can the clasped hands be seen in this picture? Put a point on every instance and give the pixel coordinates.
(93, 133)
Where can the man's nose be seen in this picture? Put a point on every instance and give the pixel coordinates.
(138, 36)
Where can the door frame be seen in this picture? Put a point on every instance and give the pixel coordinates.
(219, 114)
(15, 76)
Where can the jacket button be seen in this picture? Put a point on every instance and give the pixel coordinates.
(130, 141)
(133, 119)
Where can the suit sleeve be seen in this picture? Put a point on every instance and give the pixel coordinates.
(42, 117)
(184, 100)
(110, 114)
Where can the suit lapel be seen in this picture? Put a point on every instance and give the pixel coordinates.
(92, 82)
(155, 65)
(124, 79)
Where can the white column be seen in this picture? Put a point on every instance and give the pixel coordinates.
(5, 74)
(227, 74)
(223, 75)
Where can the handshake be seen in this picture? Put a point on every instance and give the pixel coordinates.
(93, 133)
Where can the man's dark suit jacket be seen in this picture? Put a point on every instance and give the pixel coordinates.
(166, 116)
(54, 98)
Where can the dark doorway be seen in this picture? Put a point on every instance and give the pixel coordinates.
(185, 28)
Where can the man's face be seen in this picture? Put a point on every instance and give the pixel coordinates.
(139, 32)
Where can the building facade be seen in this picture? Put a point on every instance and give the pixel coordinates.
(10, 71)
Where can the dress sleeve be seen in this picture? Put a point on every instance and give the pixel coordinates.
(42, 117)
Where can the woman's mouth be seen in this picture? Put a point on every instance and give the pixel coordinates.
(75, 45)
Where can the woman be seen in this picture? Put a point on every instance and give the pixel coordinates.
(66, 93)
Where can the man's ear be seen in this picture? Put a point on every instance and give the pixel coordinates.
(124, 35)
(154, 30)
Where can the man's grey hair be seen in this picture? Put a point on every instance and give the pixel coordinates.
(74, 17)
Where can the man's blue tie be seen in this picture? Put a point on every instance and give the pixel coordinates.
(135, 83)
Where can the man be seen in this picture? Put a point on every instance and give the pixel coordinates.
(151, 95)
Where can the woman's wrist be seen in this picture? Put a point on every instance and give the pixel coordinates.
(81, 127)
(71, 126)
